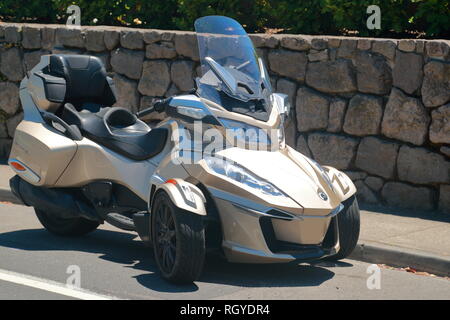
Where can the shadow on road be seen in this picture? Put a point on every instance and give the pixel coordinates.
(125, 249)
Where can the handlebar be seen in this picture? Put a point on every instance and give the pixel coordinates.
(159, 105)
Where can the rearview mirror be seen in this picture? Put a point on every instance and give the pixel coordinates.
(281, 101)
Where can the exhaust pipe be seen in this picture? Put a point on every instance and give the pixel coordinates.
(64, 203)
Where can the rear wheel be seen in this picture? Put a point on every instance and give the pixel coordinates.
(63, 226)
(179, 241)
(348, 224)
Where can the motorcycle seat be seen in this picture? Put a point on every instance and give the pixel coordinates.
(88, 96)
(117, 129)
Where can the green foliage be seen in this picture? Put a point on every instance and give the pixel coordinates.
(23, 10)
(399, 18)
(301, 16)
(433, 17)
(248, 12)
(351, 15)
(133, 13)
(137, 13)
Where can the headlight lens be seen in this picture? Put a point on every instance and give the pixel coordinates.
(241, 175)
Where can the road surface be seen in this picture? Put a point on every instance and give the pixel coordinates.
(112, 263)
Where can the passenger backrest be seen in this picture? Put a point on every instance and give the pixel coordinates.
(86, 79)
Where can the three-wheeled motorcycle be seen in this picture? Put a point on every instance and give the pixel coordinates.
(214, 175)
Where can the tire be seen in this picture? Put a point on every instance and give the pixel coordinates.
(65, 227)
(178, 241)
(348, 225)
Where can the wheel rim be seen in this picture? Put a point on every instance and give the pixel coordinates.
(165, 237)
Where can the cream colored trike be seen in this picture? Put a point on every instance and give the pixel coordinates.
(215, 175)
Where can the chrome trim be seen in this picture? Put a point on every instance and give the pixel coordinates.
(257, 209)
(237, 200)
(250, 206)
(266, 214)
(333, 212)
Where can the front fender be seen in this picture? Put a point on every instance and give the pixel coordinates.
(343, 185)
(184, 195)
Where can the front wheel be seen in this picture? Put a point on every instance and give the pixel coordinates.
(179, 241)
(348, 224)
(65, 227)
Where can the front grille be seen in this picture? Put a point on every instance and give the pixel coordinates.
(277, 246)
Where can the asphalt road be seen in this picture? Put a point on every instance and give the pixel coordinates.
(34, 265)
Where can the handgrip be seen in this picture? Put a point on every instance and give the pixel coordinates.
(145, 112)
(159, 105)
(71, 131)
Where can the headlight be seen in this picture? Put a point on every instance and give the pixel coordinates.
(245, 132)
(241, 175)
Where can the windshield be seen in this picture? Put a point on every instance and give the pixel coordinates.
(231, 73)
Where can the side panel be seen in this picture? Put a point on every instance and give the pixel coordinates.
(46, 152)
(94, 162)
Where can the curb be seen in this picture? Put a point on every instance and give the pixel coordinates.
(366, 251)
(378, 253)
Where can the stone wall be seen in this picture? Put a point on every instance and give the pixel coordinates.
(378, 109)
